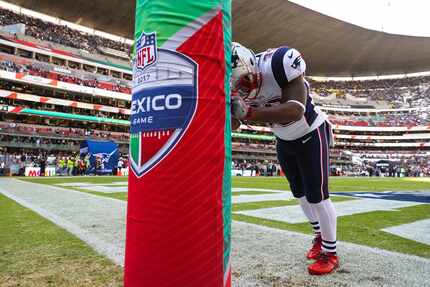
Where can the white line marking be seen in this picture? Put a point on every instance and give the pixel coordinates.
(294, 214)
(418, 231)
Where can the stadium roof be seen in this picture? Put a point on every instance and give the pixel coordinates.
(331, 47)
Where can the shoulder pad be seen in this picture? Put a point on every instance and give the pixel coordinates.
(287, 64)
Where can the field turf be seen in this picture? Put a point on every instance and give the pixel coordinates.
(344, 184)
(341, 183)
(35, 252)
(364, 228)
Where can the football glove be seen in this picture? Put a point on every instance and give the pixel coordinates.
(235, 124)
(239, 109)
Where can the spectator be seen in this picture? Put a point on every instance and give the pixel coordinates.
(70, 166)
(2, 167)
(49, 72)
(47, 31)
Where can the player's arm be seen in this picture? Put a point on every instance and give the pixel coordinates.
(291, 108)
(288, 68)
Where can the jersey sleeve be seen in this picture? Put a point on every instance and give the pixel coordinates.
(287, 64)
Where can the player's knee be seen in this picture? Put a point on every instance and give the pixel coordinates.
(315, 193)
(314, 198)
(297, 192)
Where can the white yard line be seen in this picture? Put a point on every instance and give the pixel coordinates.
(239, 189)
(87, 184)
(97, 220)
(294, 214)
(418, 231)
(261, 197)
(104, 189)
(261, 256)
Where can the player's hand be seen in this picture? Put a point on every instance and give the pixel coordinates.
(239, 109)
(235, 124)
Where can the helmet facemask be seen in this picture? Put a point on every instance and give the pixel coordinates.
(245, 80)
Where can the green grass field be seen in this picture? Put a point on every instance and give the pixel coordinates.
(279, 183)
(340, 183)
(362, 228)
(35, 250)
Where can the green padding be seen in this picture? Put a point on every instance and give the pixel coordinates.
(174, 15)
(251, 136)
(74, 117)
(226, 190)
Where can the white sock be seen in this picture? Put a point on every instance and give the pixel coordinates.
(326, 215)
(310, 214)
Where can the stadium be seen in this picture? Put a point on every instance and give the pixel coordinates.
(66, 84)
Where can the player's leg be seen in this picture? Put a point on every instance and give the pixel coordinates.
(314, 167)
(289, 165)
(315, 250)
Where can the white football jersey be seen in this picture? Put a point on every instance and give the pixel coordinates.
(278, 67)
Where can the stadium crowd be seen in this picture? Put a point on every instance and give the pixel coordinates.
(33, 70)
(397, 92)
(402, 169)
(393, 119)
(392, 163)
(68, 162)
(40, 133)
(48, 31)
(412, 167)
(37, 142)
(370, 84)
(64, 163)
(60, 132)
(11, 66)
(67, 110)
(258, 167)
(66, 95)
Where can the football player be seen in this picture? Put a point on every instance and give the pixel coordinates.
(270, 88)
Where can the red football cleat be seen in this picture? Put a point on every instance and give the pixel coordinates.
(315, 251)
(325, 264)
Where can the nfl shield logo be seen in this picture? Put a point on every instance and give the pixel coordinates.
(146, 50)
(162, 108)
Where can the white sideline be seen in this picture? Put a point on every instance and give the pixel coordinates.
(86, 184)
(261, 256)
(99, 221)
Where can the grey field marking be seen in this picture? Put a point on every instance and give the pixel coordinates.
(418, 231)
(105, 189)
(79, 184)
(239, 189)
(261, 197)
(123, 187)
(74, 184)
(97, 220)
(261, 256)
(294, 214)
(98, 187)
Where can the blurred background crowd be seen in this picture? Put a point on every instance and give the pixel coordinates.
(63, 35)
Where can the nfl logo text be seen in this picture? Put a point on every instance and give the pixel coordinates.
(163, 104)
(146, 50)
